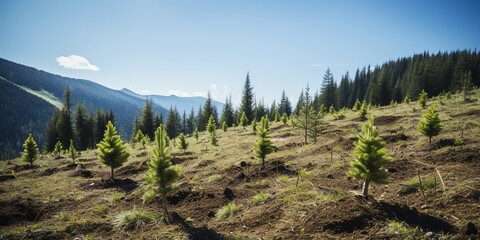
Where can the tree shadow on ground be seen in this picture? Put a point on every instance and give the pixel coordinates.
(196, 233)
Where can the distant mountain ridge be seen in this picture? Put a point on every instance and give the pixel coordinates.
(181, 103)
(30, 96)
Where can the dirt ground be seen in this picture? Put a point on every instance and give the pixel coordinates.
(309, 194)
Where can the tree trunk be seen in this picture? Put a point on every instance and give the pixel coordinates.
(113, 173)
(429, 141)
(165, 209)
(365, 187)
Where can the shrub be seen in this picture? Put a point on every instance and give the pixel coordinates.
(260, 198)
(401, 228)
(100, 209)
(134, 220)
(227, 211)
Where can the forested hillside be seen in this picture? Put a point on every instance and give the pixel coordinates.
(22, 113)
(181, 103)
(92, 95)
(396, 79)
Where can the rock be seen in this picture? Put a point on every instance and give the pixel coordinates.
(79, 167)
(228, 193)
(423, 207)
(210, 195)
(82, 173)
(469, 229)
(428, 234)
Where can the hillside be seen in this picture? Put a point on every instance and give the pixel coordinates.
(181, 103)
(29, 114)
(21, 84)
(308, 195)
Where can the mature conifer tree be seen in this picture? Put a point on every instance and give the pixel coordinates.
(84, 132)
(285, 105)
(370, 157)
(148, 127)
(304, 116)
(173, 123)
(228, 113)
(328, 90)
(209, 109)
(246, 105)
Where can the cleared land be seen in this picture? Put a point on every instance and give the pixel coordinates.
(308, 195)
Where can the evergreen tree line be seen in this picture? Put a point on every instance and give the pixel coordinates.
(400, 79)
(86, 129)
(175, 124)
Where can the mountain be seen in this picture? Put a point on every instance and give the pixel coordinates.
(28, 98)
(181, 103)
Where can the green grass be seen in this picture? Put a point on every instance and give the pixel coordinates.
(214, 178)
(134, 220)
(413, 185)
(116, 197)
(100, 209)
(227, 211)
(260, 198)
(63, 216)
(401, 228)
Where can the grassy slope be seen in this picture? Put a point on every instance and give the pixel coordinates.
(52, 203)
(50, 98)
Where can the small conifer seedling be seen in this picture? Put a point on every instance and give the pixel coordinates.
(370, 157)
(72, 153)
(243, 120)
(112, 150)
(195, 134)
(363, 111)
(224, 126)
(183, 142)
(161, 174)
(284, 118)
(430, 124)
(58, 149)
(264, 145)
(30, 150)
(422, 98)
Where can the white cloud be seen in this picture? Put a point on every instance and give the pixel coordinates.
(317, 65)
(216, 92)
(76, 62)
(175, 92)
(219, 93)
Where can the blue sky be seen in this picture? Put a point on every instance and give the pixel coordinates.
(191, 47)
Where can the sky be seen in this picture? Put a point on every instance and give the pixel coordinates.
(190, 47)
